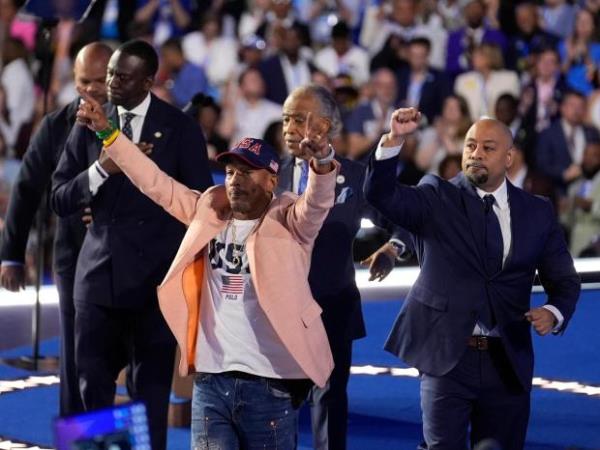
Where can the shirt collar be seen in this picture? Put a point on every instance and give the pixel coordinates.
(500, 194)
(140, 110)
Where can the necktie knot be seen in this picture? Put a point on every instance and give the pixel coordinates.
(488, 201)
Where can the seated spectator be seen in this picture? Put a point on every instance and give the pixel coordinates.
(482, 86)
(559, 148)
(523, 176)
(539, 105)
(252, 50)
(419, 85)
(371, 118)
(208, 115)
(169, 18)
(14, 26)
(274, 136)
(402, 21)
(529, 39)
(581, 214)
(287, 69)
(580, 53)
(463, 42)
(446, 136)
(507, 112)
(246, 111)
(18, 100)
(450, 166)
(558, 17)
(209, 49)
(343, 57)
(278, 14)
(184, 78)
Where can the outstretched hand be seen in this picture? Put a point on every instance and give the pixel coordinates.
(90, 113)
(381, 262)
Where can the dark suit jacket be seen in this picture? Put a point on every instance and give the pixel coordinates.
(332, 277)
(433, 92)
(552, 151)
(457, 43)
(440, 311)
(33, 180)
(132, 240)
(272, 72)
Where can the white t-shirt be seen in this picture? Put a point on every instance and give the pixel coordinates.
(236, 334)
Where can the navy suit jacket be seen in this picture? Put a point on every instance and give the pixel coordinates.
(446, 219)
(39, 162)
(552, 151)
(332, 277)
(272, 72)
(434, 91)
(131, 241)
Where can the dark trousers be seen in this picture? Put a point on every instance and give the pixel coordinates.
(329, 405)
(108, 339)
(70, 398)
(483, 391)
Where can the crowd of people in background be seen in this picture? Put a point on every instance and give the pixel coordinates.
(535, 66)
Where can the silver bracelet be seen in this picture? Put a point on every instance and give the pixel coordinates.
(328, 158)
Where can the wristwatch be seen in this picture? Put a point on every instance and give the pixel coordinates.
(402, 252)
(328, 158)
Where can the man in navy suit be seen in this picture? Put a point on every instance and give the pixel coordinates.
(466, 323)
(419, 85)
(33, 180)
(559, 149)
(130, 242)
(332, 276)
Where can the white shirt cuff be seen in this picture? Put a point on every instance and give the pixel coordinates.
(97, 176)
(559, 317)
(8, 263)
(386, 152)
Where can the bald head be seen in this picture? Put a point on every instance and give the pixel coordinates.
(487, 153)
(90, 70)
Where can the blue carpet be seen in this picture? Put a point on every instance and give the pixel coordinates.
(384, 410)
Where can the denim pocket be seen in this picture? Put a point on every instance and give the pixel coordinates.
(278, 389)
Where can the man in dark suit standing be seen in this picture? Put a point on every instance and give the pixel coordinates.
(466, 322)
(117, 320)
(39, 163)
(332, 277)
(419, 85)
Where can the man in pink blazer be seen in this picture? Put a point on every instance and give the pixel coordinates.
(236, 296)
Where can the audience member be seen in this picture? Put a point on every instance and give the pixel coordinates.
(419, 85)
(558, 17)
(446, 135)
(580, 53)
(343, 57)
(184, 78)
(246, 111)
(581, 210)
(166, 18)
(482, 86)
(463, 42)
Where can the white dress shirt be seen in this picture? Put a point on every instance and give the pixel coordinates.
(502, 210)
(96, 174)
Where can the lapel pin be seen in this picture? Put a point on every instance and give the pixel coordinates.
(158, 135)
(340, 179)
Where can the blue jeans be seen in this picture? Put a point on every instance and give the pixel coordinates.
(233, 411)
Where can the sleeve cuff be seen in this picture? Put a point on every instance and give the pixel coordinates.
(386, 152)
(557, 314)
(97, 176)
(7, 263)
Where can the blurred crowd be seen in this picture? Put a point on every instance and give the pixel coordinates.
(533, 65)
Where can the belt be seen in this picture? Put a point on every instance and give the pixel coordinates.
(483, 343)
